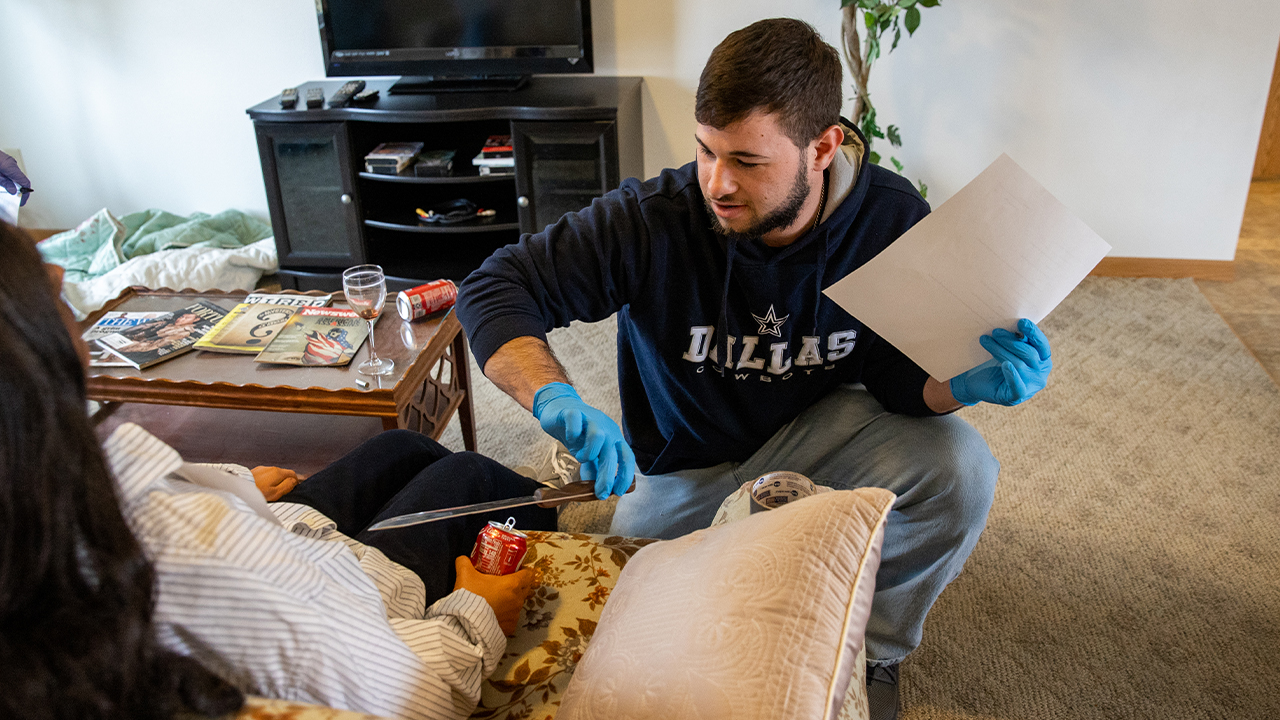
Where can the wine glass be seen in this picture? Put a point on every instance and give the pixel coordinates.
(366, 290)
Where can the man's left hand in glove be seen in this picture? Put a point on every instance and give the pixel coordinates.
(1018, 369)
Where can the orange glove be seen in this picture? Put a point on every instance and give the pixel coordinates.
(504, 593)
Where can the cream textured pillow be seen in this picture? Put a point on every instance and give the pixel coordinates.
(759, 618)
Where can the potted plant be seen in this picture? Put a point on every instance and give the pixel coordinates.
(878, 20)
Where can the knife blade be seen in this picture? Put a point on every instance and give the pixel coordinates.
(546, 497)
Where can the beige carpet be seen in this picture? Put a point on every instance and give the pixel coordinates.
(1131, 564)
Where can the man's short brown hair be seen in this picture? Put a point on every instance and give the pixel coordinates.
(781, 66)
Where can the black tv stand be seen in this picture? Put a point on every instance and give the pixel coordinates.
(431, 84)
(573, 138)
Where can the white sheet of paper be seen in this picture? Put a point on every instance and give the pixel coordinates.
(1002, 248)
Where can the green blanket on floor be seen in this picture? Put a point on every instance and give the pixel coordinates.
(104, 242)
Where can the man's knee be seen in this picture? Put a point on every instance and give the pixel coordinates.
(963, 471)
(669, 506)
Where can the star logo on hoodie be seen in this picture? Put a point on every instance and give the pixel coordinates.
(770, 324)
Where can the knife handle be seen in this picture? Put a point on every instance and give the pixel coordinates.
(549, 497)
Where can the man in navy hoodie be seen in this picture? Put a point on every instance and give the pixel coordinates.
(731, 361)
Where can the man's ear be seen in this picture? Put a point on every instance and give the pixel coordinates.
(826, 146)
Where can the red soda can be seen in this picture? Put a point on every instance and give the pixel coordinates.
(499, 548)
(423, 300)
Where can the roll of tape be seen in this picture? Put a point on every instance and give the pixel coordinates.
(773, 490)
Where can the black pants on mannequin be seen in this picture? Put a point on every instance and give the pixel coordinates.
(399, 472)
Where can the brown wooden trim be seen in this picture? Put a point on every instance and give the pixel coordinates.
(1266, 165)
(466, 411)
(135, 290)
(38, 234)
(1224, 270)
(322, 401)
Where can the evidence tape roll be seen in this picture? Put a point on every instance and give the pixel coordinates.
(775, 489)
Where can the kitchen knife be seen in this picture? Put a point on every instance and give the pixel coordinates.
(547, 497)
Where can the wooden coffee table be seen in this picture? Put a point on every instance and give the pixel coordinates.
(430, 382)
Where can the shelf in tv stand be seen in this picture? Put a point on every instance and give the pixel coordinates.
(437, 180)
(459, 228)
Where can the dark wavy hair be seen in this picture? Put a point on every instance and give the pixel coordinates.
(781, 66)
(76, 632)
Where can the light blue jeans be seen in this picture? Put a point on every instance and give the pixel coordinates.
(939, 467)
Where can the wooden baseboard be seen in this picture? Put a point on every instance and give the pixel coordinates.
(39, 234)
(1224, 270)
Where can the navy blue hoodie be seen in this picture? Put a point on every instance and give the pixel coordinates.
(683, 294)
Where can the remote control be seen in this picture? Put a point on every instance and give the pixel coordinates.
(366, 96)
(315, 97)
(289, 98)
(345, 93)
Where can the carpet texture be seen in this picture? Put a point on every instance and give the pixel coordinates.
(1131, 563)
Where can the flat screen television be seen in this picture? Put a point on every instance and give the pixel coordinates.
(455, 45)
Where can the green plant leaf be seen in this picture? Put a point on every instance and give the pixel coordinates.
(867, 4)
(897, 35)
(846, 3)
(924, 189)
(893, 135)
(930, 3)
(896, 164)
(869, 19)
(868, 123)
(874, 157)
(913, 20)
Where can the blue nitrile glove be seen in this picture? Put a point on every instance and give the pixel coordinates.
(593, 438)
(12, 179)
(1019, 368)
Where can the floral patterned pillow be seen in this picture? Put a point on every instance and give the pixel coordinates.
(573, 576)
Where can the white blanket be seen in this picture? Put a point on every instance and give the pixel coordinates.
(197, 268)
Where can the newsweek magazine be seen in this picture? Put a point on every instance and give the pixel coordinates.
(317, 336)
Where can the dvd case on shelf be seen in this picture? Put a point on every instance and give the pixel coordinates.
(391, 157)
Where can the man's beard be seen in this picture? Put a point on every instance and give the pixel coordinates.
(775, 220)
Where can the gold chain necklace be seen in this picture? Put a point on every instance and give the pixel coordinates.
(822, 203)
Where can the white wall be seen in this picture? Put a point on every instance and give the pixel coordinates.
(1142, 116)
(132, 104)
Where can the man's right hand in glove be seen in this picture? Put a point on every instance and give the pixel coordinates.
(592, 436)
